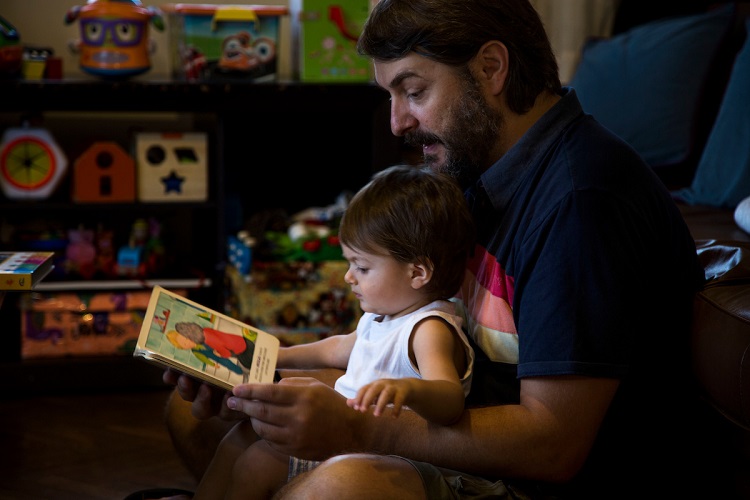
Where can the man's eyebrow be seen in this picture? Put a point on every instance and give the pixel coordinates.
(399, 78)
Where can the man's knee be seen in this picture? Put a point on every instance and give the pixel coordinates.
(358, 476)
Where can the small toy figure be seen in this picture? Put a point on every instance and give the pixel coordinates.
(114, 36)
(240, 253)
(11, 49)
(154, 252)
(105, 252)
(194, 63)
(130, 260)
(81, 253)
(34, 62)
(138, 233)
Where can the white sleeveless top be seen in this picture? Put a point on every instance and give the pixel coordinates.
(382, 348)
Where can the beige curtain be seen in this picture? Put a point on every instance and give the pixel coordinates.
(570, 22)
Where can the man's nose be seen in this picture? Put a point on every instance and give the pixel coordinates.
(401, 119)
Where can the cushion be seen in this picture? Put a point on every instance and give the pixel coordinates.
(722, 178)
(742, 215)
(645, 84)
(721, 329)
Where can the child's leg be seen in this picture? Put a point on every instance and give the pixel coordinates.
(258, 473)
(215, 481)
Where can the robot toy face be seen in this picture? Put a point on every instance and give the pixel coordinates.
(114, 46)
(116, 32)
(114, 37)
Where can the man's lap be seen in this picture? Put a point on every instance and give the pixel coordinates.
(436, 481)
(446, 483)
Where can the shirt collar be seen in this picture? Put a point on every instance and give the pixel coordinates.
(502, 179)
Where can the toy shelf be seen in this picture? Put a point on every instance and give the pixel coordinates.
(266, 142)
(169, 95)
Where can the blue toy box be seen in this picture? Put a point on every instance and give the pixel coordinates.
(224, 42)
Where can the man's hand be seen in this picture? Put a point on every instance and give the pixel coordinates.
(300, 416)
(207, 401)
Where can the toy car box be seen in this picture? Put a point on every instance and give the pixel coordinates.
(325, 37)
(224, 42)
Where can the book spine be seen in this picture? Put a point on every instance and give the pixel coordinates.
(16, 282)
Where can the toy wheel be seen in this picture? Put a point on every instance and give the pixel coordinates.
(27, 163)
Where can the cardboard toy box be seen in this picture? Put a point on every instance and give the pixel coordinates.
(298, 302)
(224, 42)
(78, 324)
(325, 37)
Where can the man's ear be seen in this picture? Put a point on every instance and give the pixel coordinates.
(421, 274)
(491, 65)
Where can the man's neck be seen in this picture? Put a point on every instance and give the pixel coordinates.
(517, 125)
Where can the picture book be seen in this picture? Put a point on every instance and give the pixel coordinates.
(23, 270)
(203, 343)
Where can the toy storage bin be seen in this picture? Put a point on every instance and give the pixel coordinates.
(224, 42)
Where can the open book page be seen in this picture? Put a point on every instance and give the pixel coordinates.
(204, 343)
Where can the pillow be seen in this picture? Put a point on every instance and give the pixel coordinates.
(742, 215)
(722, 178)
(645, 84)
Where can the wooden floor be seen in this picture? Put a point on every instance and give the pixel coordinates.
(86, 447)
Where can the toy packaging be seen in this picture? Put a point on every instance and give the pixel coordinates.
(325, 35)
(74, 324)
(224, 42)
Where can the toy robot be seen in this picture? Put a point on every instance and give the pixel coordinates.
(114, 36)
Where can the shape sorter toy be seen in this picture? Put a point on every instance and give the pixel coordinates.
(172, 167)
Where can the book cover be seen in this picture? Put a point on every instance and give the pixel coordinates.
(206, 344)
(23, 270)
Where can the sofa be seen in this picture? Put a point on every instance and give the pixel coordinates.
(677, 89)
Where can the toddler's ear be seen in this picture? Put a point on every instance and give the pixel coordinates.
(421, 274)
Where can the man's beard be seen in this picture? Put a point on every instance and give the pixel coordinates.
(472, 131)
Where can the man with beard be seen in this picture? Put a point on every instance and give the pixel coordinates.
(577, 298)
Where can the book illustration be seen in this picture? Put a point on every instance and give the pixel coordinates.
(192, 338)
(213, 346)
(23, 270)
(161, 322)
